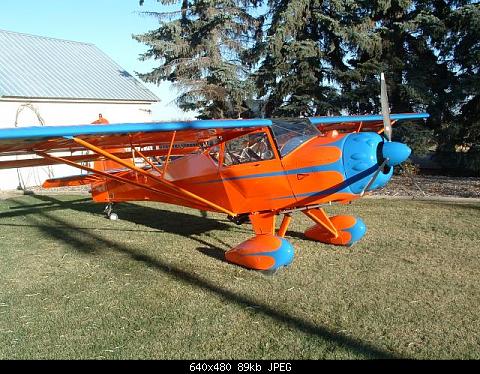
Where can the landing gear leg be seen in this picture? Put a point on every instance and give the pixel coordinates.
(109, 212)
(337, 230)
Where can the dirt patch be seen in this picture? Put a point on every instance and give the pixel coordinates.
(431, 186)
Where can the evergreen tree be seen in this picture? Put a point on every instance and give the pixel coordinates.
(406, 40)
(318, 57)
(461, 48)
(401, 42)
(199, 48)
(303, 41)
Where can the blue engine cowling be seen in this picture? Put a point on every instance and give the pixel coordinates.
(363, 153)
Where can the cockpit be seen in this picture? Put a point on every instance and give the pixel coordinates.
(248, 148)
(288, 135)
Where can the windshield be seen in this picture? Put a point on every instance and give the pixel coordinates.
(289, 134)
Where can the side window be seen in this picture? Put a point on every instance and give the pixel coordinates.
(248, 148)
(214, 153)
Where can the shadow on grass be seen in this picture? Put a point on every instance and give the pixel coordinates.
(215, 253)
(48, 206)
(296, 235)
(78, 228)
(186, 225)
(88, 241)
(465, 206)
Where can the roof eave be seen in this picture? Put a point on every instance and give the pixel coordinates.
(79, 100)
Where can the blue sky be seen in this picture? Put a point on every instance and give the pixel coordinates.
(109, 24)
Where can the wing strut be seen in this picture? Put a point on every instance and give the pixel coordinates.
(155, 178)
(62, 160)
(147, 160)
(169, 153)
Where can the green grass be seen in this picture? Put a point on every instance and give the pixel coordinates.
(154, 285)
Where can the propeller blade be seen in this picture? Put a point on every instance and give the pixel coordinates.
(387, 126)
(374, 177)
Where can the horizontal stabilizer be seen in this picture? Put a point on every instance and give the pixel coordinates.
(74, 180)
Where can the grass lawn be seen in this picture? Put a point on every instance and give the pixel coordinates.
(154, 285)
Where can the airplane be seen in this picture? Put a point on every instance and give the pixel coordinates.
(252, 170)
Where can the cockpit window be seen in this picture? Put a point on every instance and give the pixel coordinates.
(290, 134)
(214, 153)
(248, 148)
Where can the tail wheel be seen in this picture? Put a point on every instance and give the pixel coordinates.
(109, 212)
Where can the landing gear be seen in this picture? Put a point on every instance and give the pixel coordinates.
(108, 211)
(336, 230)
(266, 251)
(113, 216)
(240, 219)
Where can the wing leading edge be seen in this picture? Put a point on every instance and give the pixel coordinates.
(189, 135)
(361, 123)
(59, 138)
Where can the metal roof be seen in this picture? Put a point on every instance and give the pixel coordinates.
(40, 67)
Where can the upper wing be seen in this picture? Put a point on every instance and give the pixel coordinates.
(160, 137)
(361, 123)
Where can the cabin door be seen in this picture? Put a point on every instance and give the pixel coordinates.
(252, 172)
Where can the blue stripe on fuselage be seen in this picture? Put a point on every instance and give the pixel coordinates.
(334, 166)
(311, 169)
(341, 187)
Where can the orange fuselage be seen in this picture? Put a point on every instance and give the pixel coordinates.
(311, 174)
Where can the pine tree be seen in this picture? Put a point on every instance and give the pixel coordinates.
(303, 41)
(199, 49)
(404, 39)
(317, 57)
(461, 49)
(430, 53)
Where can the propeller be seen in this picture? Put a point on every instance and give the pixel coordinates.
(387, 126)
(394, 153)
(382, 165)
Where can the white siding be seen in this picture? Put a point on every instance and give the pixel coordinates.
(61, 113)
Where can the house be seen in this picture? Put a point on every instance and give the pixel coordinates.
(46, 81)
